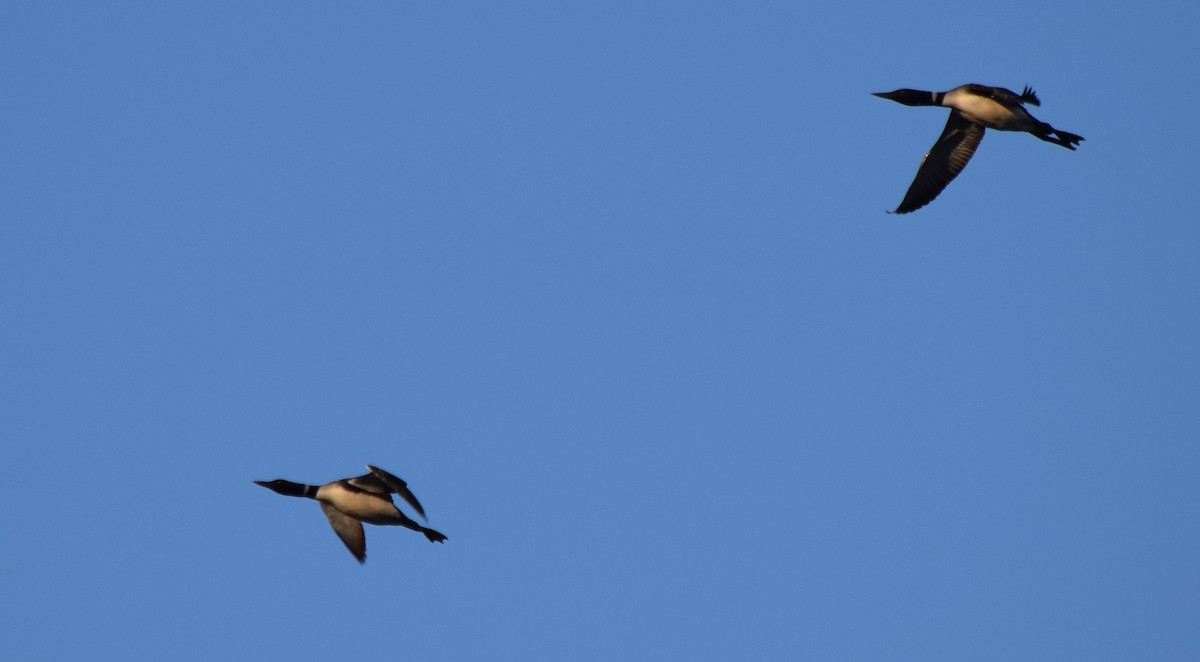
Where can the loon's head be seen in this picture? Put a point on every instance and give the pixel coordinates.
(284, 487)
(908, 97)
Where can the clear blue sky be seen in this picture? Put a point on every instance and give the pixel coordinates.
(613, 287)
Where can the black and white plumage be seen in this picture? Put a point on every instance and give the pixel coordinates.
(973, 108)
(349, 502)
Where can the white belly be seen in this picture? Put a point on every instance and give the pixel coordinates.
(988, 113)
(370, 508)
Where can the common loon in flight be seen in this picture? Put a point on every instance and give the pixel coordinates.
(973, 108)
(351, 501)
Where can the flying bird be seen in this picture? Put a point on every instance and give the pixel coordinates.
(351, 501)
(973, 108)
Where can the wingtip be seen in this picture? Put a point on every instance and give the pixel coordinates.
(1029, 96)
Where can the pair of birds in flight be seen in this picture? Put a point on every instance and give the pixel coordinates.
(973, 108)
(350, 502)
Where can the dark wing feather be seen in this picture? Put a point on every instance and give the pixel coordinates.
(370, 483)
(1005, 96)
(944, 161)
(400, 487)
(349, 530)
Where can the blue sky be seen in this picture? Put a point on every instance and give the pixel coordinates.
(613, 287)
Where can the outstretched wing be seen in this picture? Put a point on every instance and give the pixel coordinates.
(349, 530)
(382, 482)
(948, 156)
